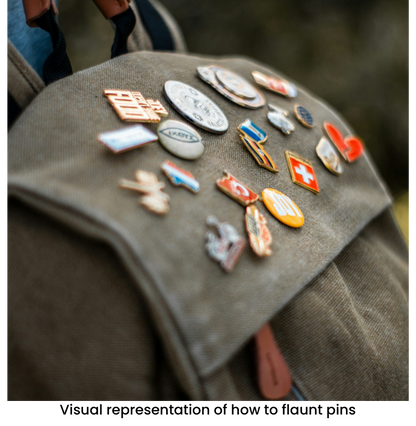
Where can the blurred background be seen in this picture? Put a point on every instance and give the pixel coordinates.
(352, 53)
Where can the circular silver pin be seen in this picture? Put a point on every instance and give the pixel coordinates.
(180, 139)
(236, 84)
(232, 86)
(195, 106)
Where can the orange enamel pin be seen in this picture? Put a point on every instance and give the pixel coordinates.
(282, 208)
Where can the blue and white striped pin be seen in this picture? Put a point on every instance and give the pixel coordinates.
(180, 177)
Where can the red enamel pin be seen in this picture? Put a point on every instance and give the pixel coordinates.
(351, 147)
(236, 190)
(302, 172)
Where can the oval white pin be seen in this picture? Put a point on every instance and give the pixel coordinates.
(180, 139)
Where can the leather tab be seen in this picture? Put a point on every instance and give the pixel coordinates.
(34, 9)
(111, 8)
(274, 378)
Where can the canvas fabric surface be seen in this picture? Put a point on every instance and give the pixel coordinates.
(334, 290)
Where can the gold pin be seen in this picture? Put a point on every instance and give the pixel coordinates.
(133, 107)
(259, 235)
(147, 183)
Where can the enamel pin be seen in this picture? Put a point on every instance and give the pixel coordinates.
(234, 87)
(303, 116)
(236, 190)
(195, 106)
(277, 117)
(277, 85)
(259, 235)
(252, 137)
(133, 107)
(282, 208)
(126, 139)
(153, 198)
(228, 247)
(351, 148)
(326, 152)
(251, 131)
(302, 172)
(180, 139)
(180, 177)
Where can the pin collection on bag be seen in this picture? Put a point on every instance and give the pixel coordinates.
(182, 140)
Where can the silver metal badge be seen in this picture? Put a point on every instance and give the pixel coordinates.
(232, 86)
(196, 107)
(277, 117)
(228, 247)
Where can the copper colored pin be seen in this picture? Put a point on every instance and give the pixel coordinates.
(133, 107)
(147, 183)
(274, 377)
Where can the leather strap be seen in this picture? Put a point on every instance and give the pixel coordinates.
(34, 9)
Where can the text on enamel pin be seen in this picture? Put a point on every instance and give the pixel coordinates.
(133, 107)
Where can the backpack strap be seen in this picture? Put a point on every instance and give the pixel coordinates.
(23, 83)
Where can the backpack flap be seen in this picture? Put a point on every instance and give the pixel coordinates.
(204, 315)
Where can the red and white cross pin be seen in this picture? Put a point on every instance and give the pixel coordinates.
(302, 172)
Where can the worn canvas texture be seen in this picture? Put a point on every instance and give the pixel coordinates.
(108, 301)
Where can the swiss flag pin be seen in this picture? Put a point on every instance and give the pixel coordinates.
(302, 172)
(351, 147)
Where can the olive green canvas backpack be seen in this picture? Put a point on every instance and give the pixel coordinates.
(107, 301)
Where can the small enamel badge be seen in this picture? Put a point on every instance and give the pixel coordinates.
(236, 190)
(303, 115)
(351, 148)
(260, 155)
(228, 247)
(277, 117)
(259, 235)
(277, 85)
(231, 85)
(126, 139)
(180, 177)
(302, 172)
(153, 198)
(282, 208)
(252, 137)
(251, 131)
(326, 152)
(133, 107)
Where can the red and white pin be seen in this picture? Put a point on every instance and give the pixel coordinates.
(302, 172)
(351, 147)
(236, 190)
